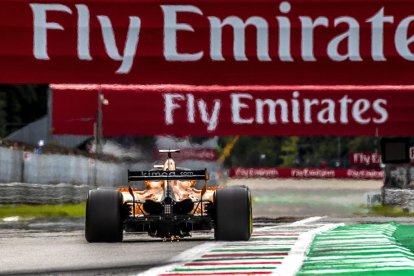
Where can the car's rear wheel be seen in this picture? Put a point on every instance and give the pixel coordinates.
(233, 214)
(103, 216)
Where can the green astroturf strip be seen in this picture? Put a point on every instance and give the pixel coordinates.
(400, 272)
(405, 236)
(336, 259)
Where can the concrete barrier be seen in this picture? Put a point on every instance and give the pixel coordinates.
(403, 198)
(24, 193)
(55, 178)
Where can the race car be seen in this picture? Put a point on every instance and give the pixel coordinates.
(170, 206)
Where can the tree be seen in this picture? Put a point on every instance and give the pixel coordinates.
(251, 151)
(21, 105)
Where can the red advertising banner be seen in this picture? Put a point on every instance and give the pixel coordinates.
(305, 173)
(364, 158)
(370, 158)
(239, 110)
(205, 42)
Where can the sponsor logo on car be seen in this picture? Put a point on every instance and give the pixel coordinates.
(167, 173)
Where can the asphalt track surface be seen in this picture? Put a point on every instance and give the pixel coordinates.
(52, 248)
(33, 252)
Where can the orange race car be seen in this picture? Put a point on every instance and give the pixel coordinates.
(169, 207)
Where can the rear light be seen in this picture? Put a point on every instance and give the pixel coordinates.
(168, 209)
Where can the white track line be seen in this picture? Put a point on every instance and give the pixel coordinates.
(293, 262)
(296, 223)
(305, 221)
(183, 257)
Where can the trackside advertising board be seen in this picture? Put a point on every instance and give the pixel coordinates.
(365, 158)
(183, 110)
(204, 42)
(371, 158)
(305, 173)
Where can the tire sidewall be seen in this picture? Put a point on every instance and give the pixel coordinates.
(233, 213)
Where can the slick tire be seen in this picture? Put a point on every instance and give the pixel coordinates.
(103, 216)
(233, 214)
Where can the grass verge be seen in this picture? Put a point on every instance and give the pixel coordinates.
(390, 211)
(43, 211)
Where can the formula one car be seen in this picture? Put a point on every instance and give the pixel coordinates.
(170, 207)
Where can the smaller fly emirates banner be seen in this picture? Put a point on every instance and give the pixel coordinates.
(183, 110)
(205, 42)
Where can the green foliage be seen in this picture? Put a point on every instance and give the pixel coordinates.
(3, 114)
(289, 151)
(255, 151)
(21, 105)
(315, 151)
(364, 144)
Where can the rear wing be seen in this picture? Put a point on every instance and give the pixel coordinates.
(168, 175)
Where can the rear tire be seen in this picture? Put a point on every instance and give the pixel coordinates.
(103, 216)
(233, 214)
